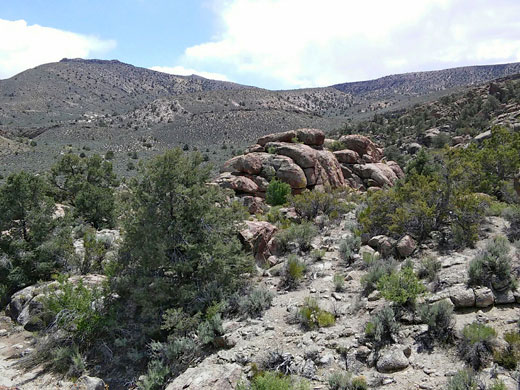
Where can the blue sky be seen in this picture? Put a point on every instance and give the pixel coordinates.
(275, 44)
(148, 32)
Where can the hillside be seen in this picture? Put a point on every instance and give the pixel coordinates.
(66, 90)
(421, 83)
(93, 106)
(453, 119)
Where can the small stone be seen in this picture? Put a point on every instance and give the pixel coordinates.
(326, 359)
(3, 332)
(374, 296)
(388, 381)
(336, 296)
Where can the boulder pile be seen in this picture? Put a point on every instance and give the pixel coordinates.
(362, 165)
(299, 158)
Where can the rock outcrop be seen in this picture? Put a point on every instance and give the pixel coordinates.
(299, 158)
(26, 305)
(258, 238)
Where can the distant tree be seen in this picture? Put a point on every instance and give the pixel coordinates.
(88, 185)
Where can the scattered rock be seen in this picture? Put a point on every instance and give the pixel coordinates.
(482, 136)
(208, 376)
(484, 297)
(461, 296)
(90, 383)
(406, 246)
(257, 237)
(391, 360)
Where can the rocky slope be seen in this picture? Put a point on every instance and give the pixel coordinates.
(316, 354)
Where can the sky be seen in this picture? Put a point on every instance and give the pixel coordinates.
(275, 44)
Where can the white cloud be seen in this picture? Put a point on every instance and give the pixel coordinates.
(23, 46)
(299, 43)
(182, 71)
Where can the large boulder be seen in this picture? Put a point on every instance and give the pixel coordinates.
(257, 238)
(484, 297)
(208, 376)
(461, 296)
(292, 174)
(301, 154)
(347, 156)
(239, 184)
(26, 306)
(430, 135)
(363, 146)
(286, 136)
(396, 168)
(406, 246)
(381, 174)
(332, 174)
(392, 359)
(250, 163)
(313, 137)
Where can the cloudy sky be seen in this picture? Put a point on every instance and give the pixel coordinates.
(268, 43)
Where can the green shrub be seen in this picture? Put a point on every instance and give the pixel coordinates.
(439, 318)
(37, 245)
(348, 247)
(441, 140)
(256, 302)
(274, 216)
(463, 380)
(401, 287)
(310, 204)
(301, 234)
(274, 381)
(77, 309)
(376, 270)
(345, 381)
(277, 192)
(433, 197)
(336, 145)
(492, 266)
(339, 282)
(95, 251)
(510, 356)
(318, 254)
(512, 214)
(155, 377)
(312, 316)
(383, 327)
(210, 329)
(293, 272)
(476, 346)
(498, 385)
(429, 268)
(68, 360)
